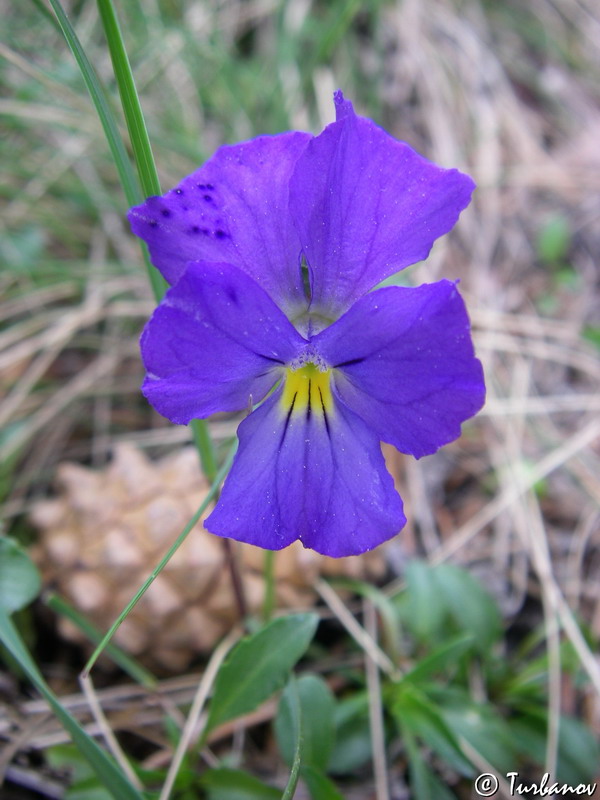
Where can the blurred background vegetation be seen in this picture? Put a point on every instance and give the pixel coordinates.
(507, 91)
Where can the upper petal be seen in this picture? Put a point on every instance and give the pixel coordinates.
(405, 364)
(299, 476)
(215, 341)
(366, 205)
(233, 209)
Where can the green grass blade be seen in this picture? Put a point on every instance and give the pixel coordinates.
(100, 100)
(147, 171)
(130, 100)
(132, 191)
(162, 564)
(142, 151)
(108, 773)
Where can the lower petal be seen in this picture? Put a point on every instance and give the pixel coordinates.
(312, 471)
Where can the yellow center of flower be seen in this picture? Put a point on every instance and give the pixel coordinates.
(307, 390)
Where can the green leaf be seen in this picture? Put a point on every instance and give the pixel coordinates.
(443, 657)
(480, 725)
(19, 578)
(106, 770)
(296, 725)
(88, 789)
(554, 240)
(259, 665)
(234, 784)
(319, 785)
(317, 706)
(472, 609)
(424, 783)
(578, 751)
(591, 333)
(352, 748)
(443, 600)
(425, 610)
(418, 715)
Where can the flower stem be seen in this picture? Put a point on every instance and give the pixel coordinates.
(205, 447)
(148, 177)
(236, 580)
(269, 576)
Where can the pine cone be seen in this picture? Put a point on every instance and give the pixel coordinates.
(104, 534)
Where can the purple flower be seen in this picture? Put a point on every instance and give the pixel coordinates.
(272, 249)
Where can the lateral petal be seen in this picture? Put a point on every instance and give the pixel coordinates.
(365, 206)
(216, 340)
(303, 475)
(405, 364)
(233, 209)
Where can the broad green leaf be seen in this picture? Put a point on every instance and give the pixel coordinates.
(425, 609)
(472, 609)
(87, 789)
(424, 783)
(317, 707)
(259, 665)
(418, 715)
(578, 751)
(234, 784)
(480, 725)
(592, 334)
(319, 785)
(19, 578)
(352, 748)
(444, 600)
(440, 659)
(295, 720)
(554, 240)
(106, 770)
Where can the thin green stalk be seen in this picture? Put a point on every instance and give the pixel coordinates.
(162, 564)
(269, 576)
(134, 117)
(205, 447)
(132, 108)
(292, 784)
(131, 188)
(148, 175)
(99, 98)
